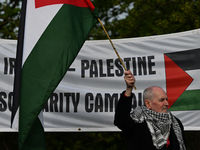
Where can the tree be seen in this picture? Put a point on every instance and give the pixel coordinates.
(146, 18)
(9, 19)
(122, 18)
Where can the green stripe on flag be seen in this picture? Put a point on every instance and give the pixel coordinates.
(35, 134)
(48, 62)
(189, 100)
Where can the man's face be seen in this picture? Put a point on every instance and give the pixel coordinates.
(159, 102)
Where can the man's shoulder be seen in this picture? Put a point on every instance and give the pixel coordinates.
(177, 119)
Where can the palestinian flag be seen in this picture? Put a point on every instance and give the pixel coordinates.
(51, 34)
(182, 79)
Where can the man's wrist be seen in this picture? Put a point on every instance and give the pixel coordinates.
(128, 92)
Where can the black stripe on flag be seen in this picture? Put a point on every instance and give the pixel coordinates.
(18, 63)
(186, 60)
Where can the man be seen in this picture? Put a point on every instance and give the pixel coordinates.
(148, 127)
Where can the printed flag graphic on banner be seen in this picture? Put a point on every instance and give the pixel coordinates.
(54, 32)
(180, 74)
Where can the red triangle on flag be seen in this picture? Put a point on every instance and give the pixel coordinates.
(177, 80)
(79, 3)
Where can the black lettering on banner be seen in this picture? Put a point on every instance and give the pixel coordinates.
(6, 101)
(120, 70)
(110, 67)
(3, 105)
(113, 68)
(5, 65)
(93, 69)
(101, 69)
(151, 64)
(55, 103)
(93, 103)
(75, 101)
(134, 66)
(46, 108)
(9, 64)
(111, 101)
(84, 67)
(67, 95)
(61, 102)
(10, 100)
(98, 103)
(12, 65)
(142, 65)
(127, 62)
(137, 102)
(89, 106)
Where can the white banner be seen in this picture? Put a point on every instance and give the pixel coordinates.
(86, 98)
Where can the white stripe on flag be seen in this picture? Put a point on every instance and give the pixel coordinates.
(190, 119)
(36, 22)
(196, 82)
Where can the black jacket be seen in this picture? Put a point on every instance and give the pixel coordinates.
(138, 134)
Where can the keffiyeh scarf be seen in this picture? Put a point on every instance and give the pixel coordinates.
(159, 125)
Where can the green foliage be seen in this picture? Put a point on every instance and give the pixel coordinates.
(9, 141)
(192, 140)
(122, 18)
(85, 141)
(146, 18)
(9, 19)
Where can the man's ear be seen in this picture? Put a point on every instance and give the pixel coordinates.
(148, 103)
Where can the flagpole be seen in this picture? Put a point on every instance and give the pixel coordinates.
(114, 48)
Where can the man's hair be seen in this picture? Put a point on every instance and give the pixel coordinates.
(148, 93)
